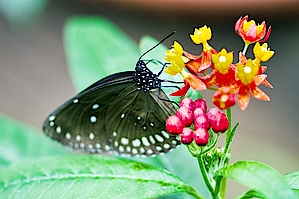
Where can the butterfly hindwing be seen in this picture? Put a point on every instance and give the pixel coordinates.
(137, 123)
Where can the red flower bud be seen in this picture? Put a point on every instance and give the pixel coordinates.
(186, 136)
(211, 114)
(187, 102)
(201, 136)
(200, 103)
(185, 115)
(173, 125)
(198, 112)
(220, 123)
(201, 122)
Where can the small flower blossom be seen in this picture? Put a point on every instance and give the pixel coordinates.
(177, 63)
(224, 97)
(250, 32)
(222, 61)
(247, 72)
(262, 52)
(201, 35)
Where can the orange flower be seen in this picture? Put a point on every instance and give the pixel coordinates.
(248, 80)
(224, 97)
(250, 32)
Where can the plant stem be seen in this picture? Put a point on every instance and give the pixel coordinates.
(205, 177)
(245, 48)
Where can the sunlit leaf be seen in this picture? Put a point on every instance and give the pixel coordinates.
(260, 177)
(88, 176)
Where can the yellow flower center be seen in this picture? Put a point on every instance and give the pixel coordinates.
(247, 69)
(224, 97)
(222, 59)
(247, 73)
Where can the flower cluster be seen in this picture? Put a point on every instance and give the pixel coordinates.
(215, 70)
(192, 122)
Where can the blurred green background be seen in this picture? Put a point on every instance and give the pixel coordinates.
(34, 78)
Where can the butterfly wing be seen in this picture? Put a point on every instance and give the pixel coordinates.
(114, 114)
(136, 123)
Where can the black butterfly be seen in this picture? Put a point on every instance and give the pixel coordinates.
(124, 112)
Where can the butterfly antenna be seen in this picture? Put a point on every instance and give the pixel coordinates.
(157, 44)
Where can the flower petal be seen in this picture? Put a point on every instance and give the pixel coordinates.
(243, 97)
(195, 82)
(182, 91)
(259, 94)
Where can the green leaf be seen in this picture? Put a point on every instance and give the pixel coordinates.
(293, 180)
(19, 142)
(251, 194)
(96, 48)
(88, 176)
(260, 177)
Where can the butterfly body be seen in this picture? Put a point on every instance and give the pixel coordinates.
(124, 112)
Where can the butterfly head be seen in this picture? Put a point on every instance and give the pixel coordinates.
(145, 78)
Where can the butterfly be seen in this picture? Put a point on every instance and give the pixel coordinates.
(124, 112)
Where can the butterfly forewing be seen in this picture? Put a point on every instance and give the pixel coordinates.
(114, 114)
(80, 122)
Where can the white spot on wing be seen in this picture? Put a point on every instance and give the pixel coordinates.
(149, 152)
(142, 150)
(153, 141)
(121, 149)
(52, 117)
(145, 141)
(58, 129)
(159, 148)
(134, 151)
(93, 119)
(159, 138)
(78, 138)
(107, 147)
(91, 136)
(98, 145)
(152, 124)
(51, 123)
(68, 136)
(122, 116)
(124, 141)
(82, 145)
(114, 134)
(136, 143)
(165, 134)
(75, 101)
(166, 146)
(95, 106)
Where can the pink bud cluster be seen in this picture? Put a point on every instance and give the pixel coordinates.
(194, 115)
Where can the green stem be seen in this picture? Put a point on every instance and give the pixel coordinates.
(229, 129)
(227, 142)
(245, 48)
(205, 177)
